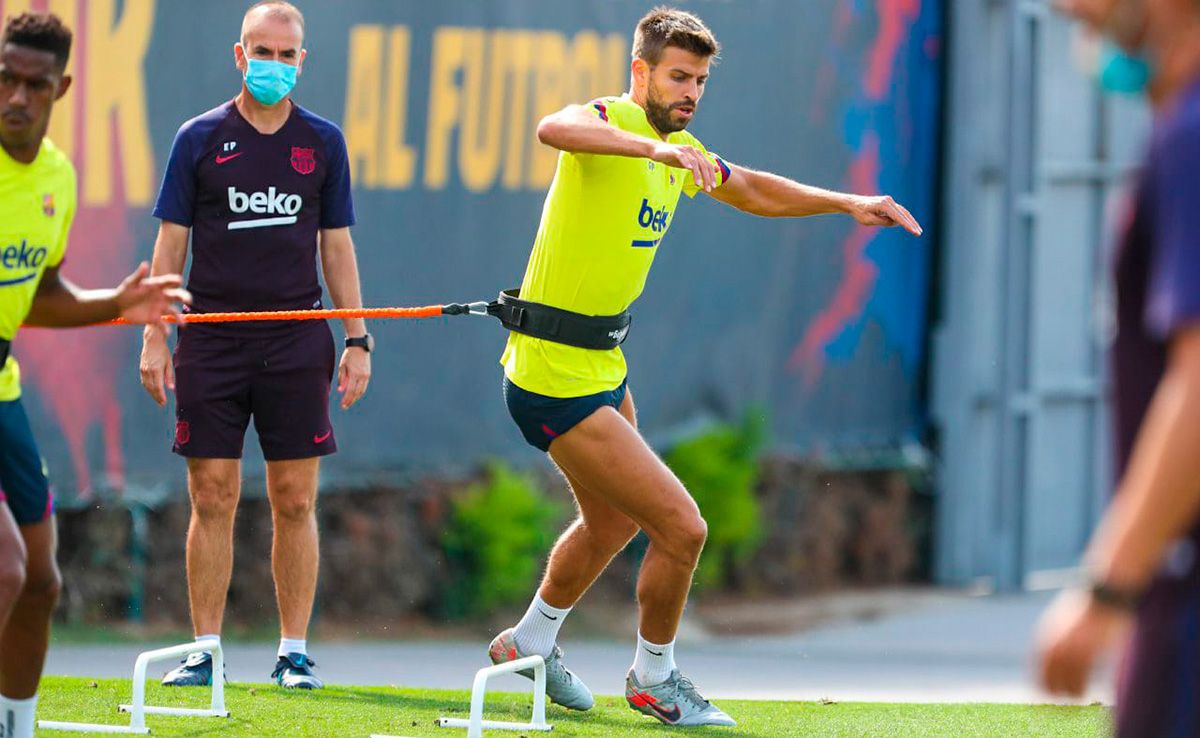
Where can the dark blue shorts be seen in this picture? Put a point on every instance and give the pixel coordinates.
(542, 419)
(23, 482)
(281, 380)
(1158, 694)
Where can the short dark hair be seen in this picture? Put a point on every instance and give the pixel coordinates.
(664, 26)
(41, 31)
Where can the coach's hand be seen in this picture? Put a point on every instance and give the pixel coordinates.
(158, 373)
(704, 172)
(354, 373)
(1073, 633)
(882, 211)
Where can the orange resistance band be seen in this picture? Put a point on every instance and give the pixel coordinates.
(429, 311)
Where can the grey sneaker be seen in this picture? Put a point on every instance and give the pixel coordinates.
(674, 702)
(195, 671)
(562, 686)
(294, 671)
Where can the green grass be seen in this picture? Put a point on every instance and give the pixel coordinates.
(265, 711)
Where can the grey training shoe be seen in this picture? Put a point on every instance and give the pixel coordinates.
(562, 686)
(674, 702)
(195, 671)
(294, 671)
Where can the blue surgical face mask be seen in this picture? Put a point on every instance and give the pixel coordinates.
(1120, 71)
(269, 81)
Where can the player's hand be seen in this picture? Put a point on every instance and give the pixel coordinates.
(882, 211)
(158, 372)
(144, 299)
(704, 172)
(354, 373)
(1073, 633)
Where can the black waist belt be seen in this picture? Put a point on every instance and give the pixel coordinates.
(5, 348)
(600, 332)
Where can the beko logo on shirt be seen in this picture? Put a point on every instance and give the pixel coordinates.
(281, 206)
(653, 218)
(23, 256)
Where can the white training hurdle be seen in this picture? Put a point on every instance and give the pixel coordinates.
(139, 709)
(476, 724)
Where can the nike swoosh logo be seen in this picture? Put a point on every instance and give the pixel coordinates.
(322, 438)
(656, 653)
(547, 616)
(223, 159)
(643, 699)
(672, 716)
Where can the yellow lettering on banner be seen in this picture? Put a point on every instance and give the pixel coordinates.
(361, 124)
(479, 140)
(444, 102)
(520, 59)
(552, 94)
(614, 64)
(587, 75)
(115, 101)
(399, 159)
(62, 120)
(15, 7)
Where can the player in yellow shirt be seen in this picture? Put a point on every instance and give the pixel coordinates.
(37, 203)
(624, 163)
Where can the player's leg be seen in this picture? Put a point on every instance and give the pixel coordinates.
(291, 415)
(12, 563)
(27, 634)
(608, 456)
(27, 537)
(295, 554)
(212, 378)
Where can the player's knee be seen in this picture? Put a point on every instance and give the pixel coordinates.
(685, 539)
(293, 504)
(12, 578)
(43, 590)
(213, 498)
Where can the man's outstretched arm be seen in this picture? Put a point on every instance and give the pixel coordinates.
(772, 196)
(139, 299)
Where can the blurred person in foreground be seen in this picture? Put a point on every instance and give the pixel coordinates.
(624, 162)
(37, 205)
(259, 185)
(1143, 571)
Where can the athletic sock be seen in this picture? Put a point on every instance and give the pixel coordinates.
(16, 717)
(215, 638)
(293, 645)
(653, 664)
(538, 630)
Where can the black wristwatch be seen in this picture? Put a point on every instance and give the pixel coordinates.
(1114, 598)
(365, 342)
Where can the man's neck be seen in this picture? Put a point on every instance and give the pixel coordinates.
(23, 154)
(1178, 65)
(641, 103)
(266, 120)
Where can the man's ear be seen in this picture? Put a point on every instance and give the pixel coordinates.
(300, 63)
(640, 69)
(64, 84)
(239, 57)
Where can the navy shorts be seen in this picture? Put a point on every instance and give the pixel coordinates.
(542, 419)
(1159, 688)
(281, 379)
(23, 482)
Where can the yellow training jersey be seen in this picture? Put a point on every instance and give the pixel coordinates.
(37, 203)
(602, 223)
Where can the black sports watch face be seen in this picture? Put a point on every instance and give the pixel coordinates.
(366, 341)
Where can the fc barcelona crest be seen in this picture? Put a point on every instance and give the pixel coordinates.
(48, 204)
(304, 160)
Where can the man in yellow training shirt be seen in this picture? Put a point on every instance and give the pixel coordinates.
(624, 162)
(37, 203)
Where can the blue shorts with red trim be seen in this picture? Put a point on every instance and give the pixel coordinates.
(542, 419)
(23, 482)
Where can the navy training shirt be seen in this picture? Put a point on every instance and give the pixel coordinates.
(255, 203)
(1157, 268)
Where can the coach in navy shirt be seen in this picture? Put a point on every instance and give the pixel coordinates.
(261, 184)
(1144, 562)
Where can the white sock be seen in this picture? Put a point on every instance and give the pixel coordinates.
(214, 637)
(293, 645)
(16, 717)
(538, 630)
(653, 664)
